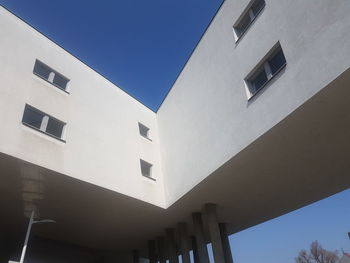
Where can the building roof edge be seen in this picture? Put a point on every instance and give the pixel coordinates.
(99, 73)
(193, 50)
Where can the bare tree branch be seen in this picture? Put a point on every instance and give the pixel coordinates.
(317, 254)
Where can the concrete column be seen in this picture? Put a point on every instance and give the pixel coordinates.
(185, 243)
(161, 249)
(152, 251)
(225, 243)
(214, 232)
(200, 239)
(171, 246)
(135, 256)
(195, 250)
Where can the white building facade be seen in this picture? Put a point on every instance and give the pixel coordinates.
(256, 125)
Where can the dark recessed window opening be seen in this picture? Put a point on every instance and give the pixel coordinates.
(248, 17)
(266, 71)
(144, 131)
(32, 117)
(146, 169)
(50, 75)
(38, 120)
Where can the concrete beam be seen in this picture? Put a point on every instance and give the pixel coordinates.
(185, 243)
(225, 243)
(161, 249)
(200, 239)
(171, 245)
(152, 251)
(214, 231)
(135, 256)
(195, 250)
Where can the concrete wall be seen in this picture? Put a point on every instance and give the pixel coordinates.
(103, 145)
(206, 119)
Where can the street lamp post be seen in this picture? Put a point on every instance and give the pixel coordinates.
(31, 222)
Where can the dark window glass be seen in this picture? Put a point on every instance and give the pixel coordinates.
(258, 81)
(258, 6)
(55, 127)
(247, 19)
(243, 25)
(32, 117)
(42, 70)
(60, 81)
(145, 168)
(277, 61)
(274, 62)
(143, 130)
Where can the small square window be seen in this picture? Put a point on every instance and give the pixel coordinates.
(60, 81)
(268, 68)
(277, 61)
(243, 25)
(55, 127)
(42, 70)
(146, 169)
(32, 117)
(248, 17)
(258, 81)
(144, 131)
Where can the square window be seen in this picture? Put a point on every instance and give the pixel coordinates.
(55, 127)
(42, 70)
(267, 69)
(258, 81)
(248, 17)
(243, 25)
(60, 81)
(277, 61)
(144, 131)
(146, 168)
(32, 117)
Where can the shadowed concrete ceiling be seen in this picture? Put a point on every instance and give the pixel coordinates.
(301, 160)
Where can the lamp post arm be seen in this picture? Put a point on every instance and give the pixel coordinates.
(27, 237)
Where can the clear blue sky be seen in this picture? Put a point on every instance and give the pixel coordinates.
(280, 240)
(141, 46)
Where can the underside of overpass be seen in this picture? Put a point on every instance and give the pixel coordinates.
(299, 161)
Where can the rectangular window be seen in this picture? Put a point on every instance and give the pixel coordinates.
(269, 67)
(50, 75)
(38, 120)
(247, 18)
(146, 169)
(144, 131)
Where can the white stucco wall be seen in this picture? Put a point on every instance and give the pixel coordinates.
(204, 121)
(206, 118)
(103, 145)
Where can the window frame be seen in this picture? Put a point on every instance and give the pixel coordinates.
(41, 129)
(143, 162)
(48, 79)
(263, 65)
(248, 12)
